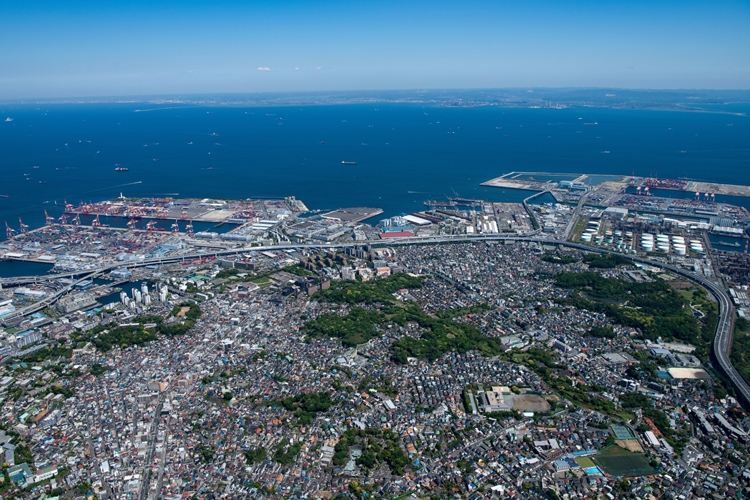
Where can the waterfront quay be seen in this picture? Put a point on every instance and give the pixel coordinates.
(236, 365)
(201, 210)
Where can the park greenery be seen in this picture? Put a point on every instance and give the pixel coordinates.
(740, 354)
(141, 330)
(357, 327)
(255, 455)
(104, 337)
(653, 307)
(285, 453)
(559, 259)
(602, 332)
(306, 406)
(463, 311)
(368, 292)
(50, 352)
(98, 369)
(634, 400)
(379, 446)
(605, 260)
(440, 334)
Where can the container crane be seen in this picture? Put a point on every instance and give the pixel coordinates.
(9, 231)
(63, 220)
(189, 228)
(131, 223)
(48, 219)
(24, 227)
(175, 227)
(77, 220)
(95, 224)
(150, 226)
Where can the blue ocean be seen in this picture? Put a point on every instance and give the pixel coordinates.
(405, 153)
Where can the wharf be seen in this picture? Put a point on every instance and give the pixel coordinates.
(352, 215)
(540, 181)
(200, 210)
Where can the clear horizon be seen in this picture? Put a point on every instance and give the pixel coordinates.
(86, 49)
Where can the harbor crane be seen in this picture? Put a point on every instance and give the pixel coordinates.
(77, 220)
(49, 220)
(95, 224)
(63, 220)
(150, 226)
(24, 227)
(131, 223)
(9, 231)
(175, 227)
(189, 228)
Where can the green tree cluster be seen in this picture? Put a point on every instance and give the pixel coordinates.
(559, 259)
(442, 336)
(285, 453)
(654, 307)
(357, 327)
(378, 446)
(305, 406)
(48, 353)
(463, 311)
(602, 332)
(635, 400)
(605, 261)
(369, 292)
(255, 455)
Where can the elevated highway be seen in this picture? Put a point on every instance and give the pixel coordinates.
(721, 344)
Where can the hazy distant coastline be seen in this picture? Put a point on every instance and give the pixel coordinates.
(677, 100)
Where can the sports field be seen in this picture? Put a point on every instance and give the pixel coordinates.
(616, 461)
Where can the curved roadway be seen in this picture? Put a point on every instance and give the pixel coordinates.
(722, 340)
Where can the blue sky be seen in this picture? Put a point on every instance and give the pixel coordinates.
(104, 48)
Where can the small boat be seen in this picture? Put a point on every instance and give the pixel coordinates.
(348, 162)
(121, 169)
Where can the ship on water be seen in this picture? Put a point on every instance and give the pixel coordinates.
(348, 162)
(728, 244)
(121, 169)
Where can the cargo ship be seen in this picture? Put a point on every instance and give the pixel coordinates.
(121, 169)
(348, 162)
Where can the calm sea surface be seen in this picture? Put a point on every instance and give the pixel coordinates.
(405, 154)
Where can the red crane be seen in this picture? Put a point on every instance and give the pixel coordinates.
(77, 220)
(9, 231)
(131, 223)
(48, 219)
(63, 220)
(150, 226)
(189, 228)
(96, 224)
(24, 227)
(175, 227)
